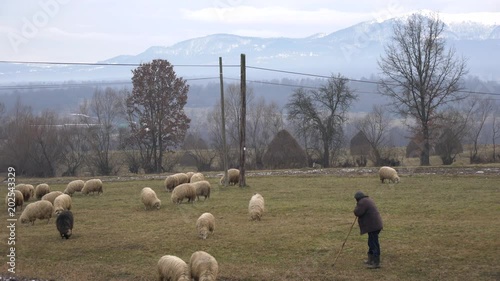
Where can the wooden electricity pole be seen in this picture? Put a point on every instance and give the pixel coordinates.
(223, 118)
(243, 121)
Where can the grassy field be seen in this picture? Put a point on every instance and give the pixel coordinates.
(435, 228)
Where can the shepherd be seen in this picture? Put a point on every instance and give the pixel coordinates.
(370, 222)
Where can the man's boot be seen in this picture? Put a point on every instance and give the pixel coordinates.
(369, 260)
(375, 263)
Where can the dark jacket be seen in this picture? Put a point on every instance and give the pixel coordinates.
(369, 218)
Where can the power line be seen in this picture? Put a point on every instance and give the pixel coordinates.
(108, 64)
(356, 80)
(83, 84)
(205, 65)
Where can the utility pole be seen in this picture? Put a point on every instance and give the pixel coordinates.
(223, 118)
(243, 120)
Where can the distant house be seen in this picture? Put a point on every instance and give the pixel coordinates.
(360, 146)
(414, 148)
(284, 152)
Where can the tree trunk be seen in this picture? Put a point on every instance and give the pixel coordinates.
(424, 154)
(326, 154)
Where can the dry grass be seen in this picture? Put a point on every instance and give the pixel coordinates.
(436, 228)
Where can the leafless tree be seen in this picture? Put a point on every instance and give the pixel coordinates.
(264, 122)
(197, 148)
(74, 146)
(375, 127)
(326, 108)
(420, 74)
(495, 129)
(100, 115)
(155, 110)
(482, 109)
(232, 107)
(47, 147)
(18, 143)
(452, 128)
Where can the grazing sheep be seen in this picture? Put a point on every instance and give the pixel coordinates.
(17, 199)
(189, 175)
(41, 210)
(64, 223)
(202, 189)
(93, 185)
(389, 173)
(170, 183)
(172, 268)
(62, 203)
(51, 196)
(205, 224)
(256, 207)
(74, 186)
(41, 190)
(233, 176)
(197, 177)
(185, 190)
(174, 180)
(203, 266)
(149, 199)
(27, 190)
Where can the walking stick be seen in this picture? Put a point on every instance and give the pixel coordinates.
(334, 261)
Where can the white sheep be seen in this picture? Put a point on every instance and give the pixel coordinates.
(51, 196)
(202, 189)
(205, 225)
(189, 175)
(172, 268)
(15, 201)
(41, 190)
(149, 199)
(203, 266)
(197, 177)
(41, 210)
(389, 173)
(256, 207)
(26, 191)
(185, 190)
(93, 185)
(61, 203)
(233, 175)
(74, 186)
(174, 180)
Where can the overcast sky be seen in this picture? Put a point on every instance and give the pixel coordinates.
(94, 30)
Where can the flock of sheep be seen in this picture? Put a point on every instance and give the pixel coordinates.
(190, 186)
(52, 203)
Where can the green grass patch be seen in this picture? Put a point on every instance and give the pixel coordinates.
(435, 228)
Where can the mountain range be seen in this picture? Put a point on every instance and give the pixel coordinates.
(352, 51)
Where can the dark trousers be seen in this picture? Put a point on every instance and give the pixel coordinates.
(373, 244)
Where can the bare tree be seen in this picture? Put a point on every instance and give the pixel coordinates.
(452, 128)
(495, 130)
(47, 147)
(156, 111)
(74, 146)
(100, 116)
(482, 108)
(374, 126)
(419, 74)
(197, 148)
(326, 109)
(232, 106)
(264, 122)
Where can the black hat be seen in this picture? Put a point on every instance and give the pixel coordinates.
(359, 195)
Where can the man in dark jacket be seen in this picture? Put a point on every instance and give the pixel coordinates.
(370, 222)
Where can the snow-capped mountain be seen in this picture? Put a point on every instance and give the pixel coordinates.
(352, 51)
